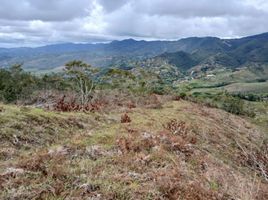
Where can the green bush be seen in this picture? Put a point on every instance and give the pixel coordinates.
(233, 105)
(224, 101)
(182, 95)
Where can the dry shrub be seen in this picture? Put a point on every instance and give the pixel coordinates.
(172, 185)
(145, 142)
(176, 137)
(55, 190)
(125, 118)
(36, 164)
(196, 192)
(124, 145)
(50, 167)
(174, 191)
(47, 167)
(168, 184)
(108, 99)
(131, 130)
(176, 98)
(114, 98)
(176, 144)
(256, 159)
(136, 143)
(45, 163)
(153, 101)
(176, 127)
(131, 105)
(63, 105)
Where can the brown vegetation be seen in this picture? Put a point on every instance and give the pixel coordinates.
(180, 151)
(125, 118)
(70, 106)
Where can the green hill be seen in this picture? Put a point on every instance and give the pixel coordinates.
(227, 52)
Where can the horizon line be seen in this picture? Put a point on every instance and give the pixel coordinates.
(133, 39)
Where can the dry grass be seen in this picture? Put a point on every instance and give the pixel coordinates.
(180, 150)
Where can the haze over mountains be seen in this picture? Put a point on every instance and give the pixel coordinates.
(184, 53)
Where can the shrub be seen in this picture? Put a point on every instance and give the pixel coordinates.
(182, 95)
(63, 105)
(232, 105)
(261, 80)
(225, 101)
(249, 97)
(235, 105)
(125, 118)
(176, 98)
(176, 127)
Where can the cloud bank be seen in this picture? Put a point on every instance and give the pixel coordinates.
(40, 22)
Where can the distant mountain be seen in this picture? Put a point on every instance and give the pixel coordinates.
(180, 59)
(185, 53)
(212, 52)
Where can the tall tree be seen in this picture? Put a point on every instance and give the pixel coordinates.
(83, 74)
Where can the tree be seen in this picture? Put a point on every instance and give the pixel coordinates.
(16, 84)
(119, 78)
(16, 69)
(55, 81)
(83, 74)
(149, 82)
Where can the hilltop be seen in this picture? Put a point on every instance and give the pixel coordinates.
(175, 150)
(181, 119)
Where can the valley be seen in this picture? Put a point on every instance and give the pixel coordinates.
(184, 119)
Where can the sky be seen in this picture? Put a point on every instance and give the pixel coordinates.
(42, 22)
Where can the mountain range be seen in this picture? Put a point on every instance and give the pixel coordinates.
(185, 53)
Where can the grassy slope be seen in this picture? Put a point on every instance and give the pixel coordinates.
(257, 88)
(200, 155)
(261, 110)
(242, 81)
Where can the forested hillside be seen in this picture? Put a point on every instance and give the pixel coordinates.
(231, 53)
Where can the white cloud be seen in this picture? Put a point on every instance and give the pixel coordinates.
(45, 10)
(38, 22)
